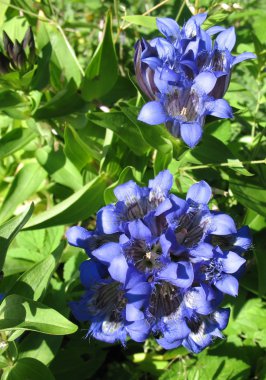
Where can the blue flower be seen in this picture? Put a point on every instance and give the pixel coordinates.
(159, 265)
(113, 303)
(186, 74)
(134, 202)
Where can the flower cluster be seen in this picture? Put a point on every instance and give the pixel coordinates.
(186, 74)
(159, 265)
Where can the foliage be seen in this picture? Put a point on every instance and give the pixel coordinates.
(69, 134)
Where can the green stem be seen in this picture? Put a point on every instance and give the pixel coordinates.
(225, 164)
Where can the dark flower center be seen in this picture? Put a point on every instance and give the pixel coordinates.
(190, 229)
(165, 300)
(212, 270)
(225, 242)
(108, 301)
(144, 257)
(183, 104)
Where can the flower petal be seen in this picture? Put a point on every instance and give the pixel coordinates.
(168, 346)
(232, 262)
(118, 269)
(205, 81)
(152, 113)
(226, 39)
(107, 252)
(224, 225)
(228, 284)
(179, 274)
(107, 220)
(168, 27)
(191, 133)
(219, 108)
(79, 237)
(199, 192)
(138, 230)
(243, 57)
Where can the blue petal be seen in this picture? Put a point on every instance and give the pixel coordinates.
(152, 113)
(221, 317)
(107, 252)
(215, 29)
(138, 230)
(79, 237)
(139, 294)
(118, 269)
(203, 250)
(226, 39)
(224, 225)
(199, 193)
(168, 27)
(191, 133)
(162, 183)
(89, 273)
(232, 262)
(196, 342)
(133, 313)
(179, 274)
(138, 330)
(80, 309)
(196, 299)
(128, 192)
(228, 284)
(107, 220)
(168, 346)
(219, 108)
(166, 205)
(243, 239)
(152, 62)
(176, 329)
(205, 81)
(243, 57)
(191, 25)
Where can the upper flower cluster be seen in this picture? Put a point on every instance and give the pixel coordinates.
(159, 265)
(186, 74)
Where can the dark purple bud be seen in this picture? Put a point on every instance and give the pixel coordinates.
(28, 43)
(8, 45)
(19, 55)
(4, 64)
(144, 74)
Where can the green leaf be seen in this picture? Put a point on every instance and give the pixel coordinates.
(237, 166)
(9, 230)
(20, 313)
(146, 21)
(30, 369)
(33, 283)
(77, 207)
(15, 140)
(102, 72)
(78, 151)
(26, 182)
(48, 346)
(250, 194)
(250, 322)
(59, 167)
(63, 55)
(65, 102)
(123, 127)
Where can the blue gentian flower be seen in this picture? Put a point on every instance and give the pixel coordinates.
(159, 265)
(185, 74)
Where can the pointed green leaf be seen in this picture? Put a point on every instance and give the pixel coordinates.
(20, 313)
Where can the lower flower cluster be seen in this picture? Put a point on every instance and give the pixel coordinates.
(159, 265)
